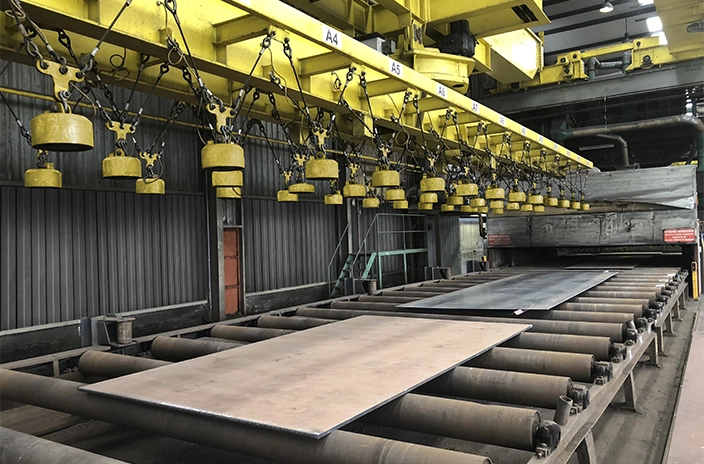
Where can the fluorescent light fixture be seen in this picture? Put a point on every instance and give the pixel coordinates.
(654, 24)
(645, 2)
(661, 35)
(607, 8)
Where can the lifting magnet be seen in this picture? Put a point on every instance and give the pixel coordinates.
(121, 166)
(563, 203)
(432, 184)
(527, 208)
(477, 202)
(150, 186)
(513, 206)
(550, 201)
(229, 192)
(386, 178)
(468, 209)
(585, 207)
(284, 196)
(61, 132)
(301, 187)
(429, 197)
(321, 169)
(396, 194)
(495, 193)
(535, 199)
(425, 206)
(575, 205)
(43, 177)
(222, 156)
(334, 198)
(370, 202)
(497, 211)
(455, 200)
(445, 208)
(351, 190)
(538, 208)
(483, 209)
(466, 189)
(228, 178)
(401, 204)
(496, 204)
(517, 197)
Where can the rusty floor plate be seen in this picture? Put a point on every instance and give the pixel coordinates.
(314, 381)
(531, 291)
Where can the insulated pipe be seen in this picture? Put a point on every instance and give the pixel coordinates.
(562, 315)
(617, 332)
(650, 296)
(579, 367)
(491, 424)
(521, 388)
(387, 299)
(181, 349)
(339, 447)
(247, 334)
(17, 447)
(111, 365)
(636, 310)
(599, 347)
(291, 323)
(411, 293)
(643, 303)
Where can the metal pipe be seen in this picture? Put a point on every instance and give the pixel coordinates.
(181, 349)
(247, 334)
(339, 447)
(637, 310)
(625, 160)
(650, 296)
(579, 367)
(649, 124)
(617, 332)
(110, 365)
(17, 447)
(491, 424)
(643, 303)
(599, 347)
(562, 315)
(292, 322)
(521, 388)
(562, 412)
(387, 299)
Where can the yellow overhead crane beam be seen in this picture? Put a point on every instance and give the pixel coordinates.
(224, 37)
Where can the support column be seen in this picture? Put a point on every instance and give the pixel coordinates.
(629, 391)
(216, 259)
(653, 352)
(586, 452)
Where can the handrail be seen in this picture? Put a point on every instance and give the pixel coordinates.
(334, 254)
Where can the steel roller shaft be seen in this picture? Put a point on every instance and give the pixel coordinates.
(636, 310)
(180, 349)
(600, 347)
(247, 334)
(650, 296)
(291, 323)
(579, 367)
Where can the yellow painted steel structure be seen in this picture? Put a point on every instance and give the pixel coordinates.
(225, 37)
(676, 16)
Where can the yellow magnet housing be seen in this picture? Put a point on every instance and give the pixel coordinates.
(401, 204)
(432, 184)
(497, 211)
(512, 206)
(563, 203)
(229, 192)
(61, 132)
(516, 197)
(496, 204)
(477, 202)
(228, 178)
(468, 209)
(301, 187)
(527, 208)
(429, 197)
(575, 205)
(121, 167)
(322, 169)
(284, 196)
(466, 190)
(585, 207)
(455, 200)
(538, 208)
(551, 201)
(495, 193)
(223, 156)
(150, 187)
(334, 198)
(396, 194)
(535, 199)
(370, 202)
(386, 178)
(483, 209)
(46, 177)
(445, 208)
(425, 206)
(351, 190)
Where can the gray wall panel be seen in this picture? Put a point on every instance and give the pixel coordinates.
(66, 254)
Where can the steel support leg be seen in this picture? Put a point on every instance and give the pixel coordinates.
(668, 325)
(676, 311)
(659, 338)
(586, 452)
(653, 351)
(629, 391)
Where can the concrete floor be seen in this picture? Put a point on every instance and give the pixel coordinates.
(621, 436)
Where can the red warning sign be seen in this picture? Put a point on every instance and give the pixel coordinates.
(499, 239)
(686, 235)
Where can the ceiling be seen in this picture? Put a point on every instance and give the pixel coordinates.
(579, 25)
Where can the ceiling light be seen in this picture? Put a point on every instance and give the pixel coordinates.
(654, 24)
(661, 35)
(696, 26)
(645, 2)
(607, 8)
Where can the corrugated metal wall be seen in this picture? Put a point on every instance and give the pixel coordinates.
(67, 254)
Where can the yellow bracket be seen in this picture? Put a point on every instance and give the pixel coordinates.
(287, 174)
(321, 136)
(62, 81)
(222, 114)
(299, 159)
(149, 158)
